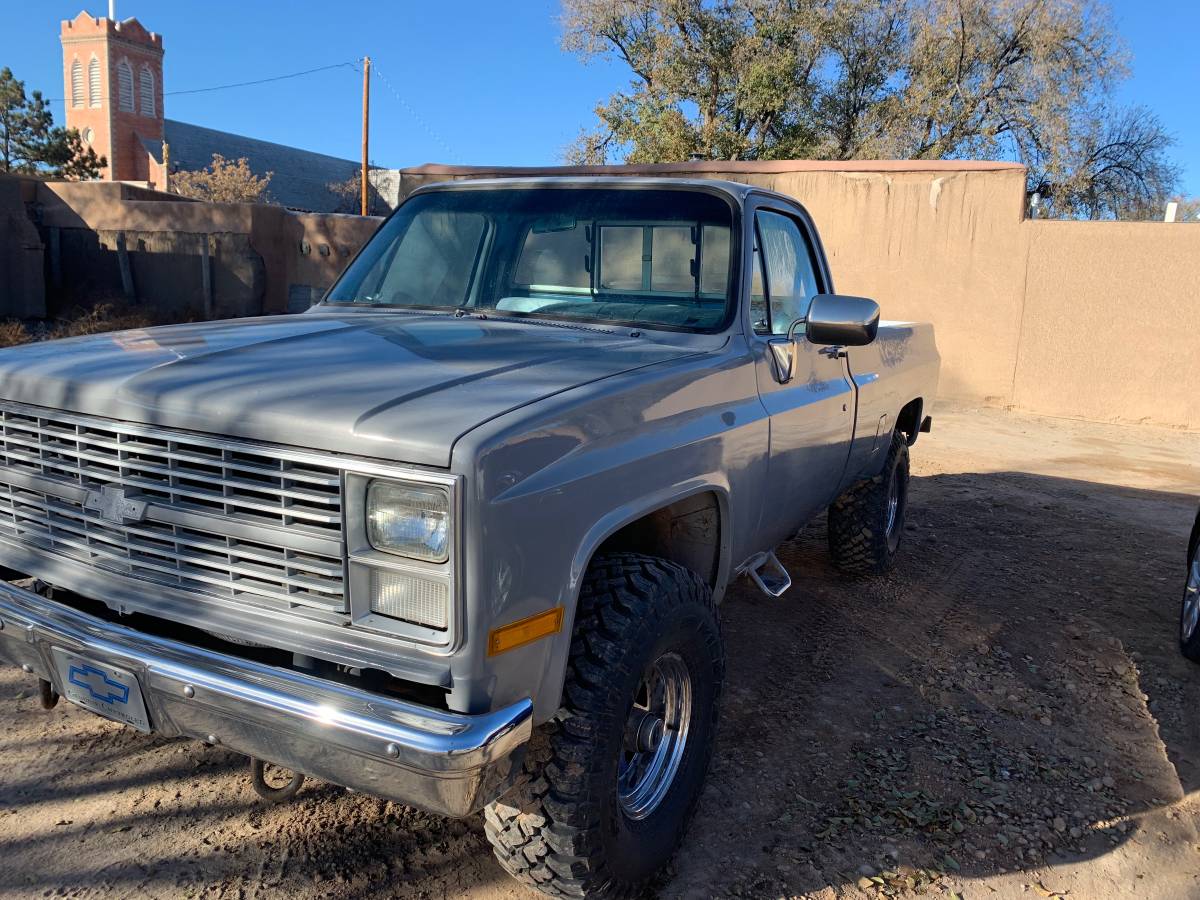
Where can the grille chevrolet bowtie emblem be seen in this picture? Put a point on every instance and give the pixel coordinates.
(115, 506)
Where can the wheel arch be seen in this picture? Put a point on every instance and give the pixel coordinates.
(686, 498)
(909, 419)
(703, 510)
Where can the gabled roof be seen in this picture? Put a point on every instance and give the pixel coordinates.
(300, 176)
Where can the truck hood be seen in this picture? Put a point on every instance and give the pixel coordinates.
(390, 385)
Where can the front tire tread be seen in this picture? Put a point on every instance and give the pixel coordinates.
(549, 835)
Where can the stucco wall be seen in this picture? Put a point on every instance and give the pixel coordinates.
(22, 287)
(1111, 322)
(263, 259)
(934, 246)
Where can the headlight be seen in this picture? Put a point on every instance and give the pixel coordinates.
(402, 538)
(409, 520)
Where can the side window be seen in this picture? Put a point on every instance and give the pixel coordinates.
(791, 279)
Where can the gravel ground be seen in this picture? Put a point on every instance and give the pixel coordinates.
(1005, 716)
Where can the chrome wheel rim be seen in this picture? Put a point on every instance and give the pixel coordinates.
(656, 735)
(893, 504)
(1191, 600)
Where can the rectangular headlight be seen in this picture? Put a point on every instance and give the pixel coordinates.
(411, 597)
(409, 520)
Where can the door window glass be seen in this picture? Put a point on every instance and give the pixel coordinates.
(760, 315)
(790, 274)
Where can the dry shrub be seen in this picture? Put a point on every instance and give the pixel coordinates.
(13, 333)
(102, 317)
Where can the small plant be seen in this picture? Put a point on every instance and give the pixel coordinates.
(99, 318)
(13, 333)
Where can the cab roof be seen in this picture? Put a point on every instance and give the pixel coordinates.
(736, 190)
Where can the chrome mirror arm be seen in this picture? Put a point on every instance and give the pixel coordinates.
(791, 334)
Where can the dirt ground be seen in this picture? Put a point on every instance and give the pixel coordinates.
(1007, 715)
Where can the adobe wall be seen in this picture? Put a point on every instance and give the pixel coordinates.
(944, 247)
(318, 247)
(1111, 322)
(262, 259)
(22, 287)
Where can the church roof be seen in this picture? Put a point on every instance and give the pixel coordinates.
(300, 176)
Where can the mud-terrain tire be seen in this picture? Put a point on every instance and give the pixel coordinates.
(1189, 613)
(867, 520)
(574, 828)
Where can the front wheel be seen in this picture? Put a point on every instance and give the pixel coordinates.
(615, 776)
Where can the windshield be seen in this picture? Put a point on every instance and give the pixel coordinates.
(634, 256)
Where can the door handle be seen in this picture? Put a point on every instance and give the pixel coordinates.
(833, 352)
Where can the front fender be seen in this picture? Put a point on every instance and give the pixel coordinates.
(549, 486)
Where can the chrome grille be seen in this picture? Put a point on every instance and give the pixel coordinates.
(220, 518)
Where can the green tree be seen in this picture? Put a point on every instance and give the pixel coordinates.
(31, 144)
(225, 181)
(1030, 80)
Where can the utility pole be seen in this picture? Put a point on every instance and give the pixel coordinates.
(366, 126)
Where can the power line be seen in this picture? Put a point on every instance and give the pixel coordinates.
(354, 64)
(238, 84)
(425, 126)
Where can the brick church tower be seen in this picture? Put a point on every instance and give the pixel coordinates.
(114, 93)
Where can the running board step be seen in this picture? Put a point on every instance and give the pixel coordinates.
(770, 575)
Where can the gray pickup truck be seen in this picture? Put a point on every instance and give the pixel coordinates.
(457, 536)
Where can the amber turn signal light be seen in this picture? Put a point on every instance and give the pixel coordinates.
(525, 631)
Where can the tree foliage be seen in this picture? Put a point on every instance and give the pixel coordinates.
(224, 181)
(1188, 210)
(870, 79)
(31, 144)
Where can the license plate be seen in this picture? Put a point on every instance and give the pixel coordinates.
(101, 688)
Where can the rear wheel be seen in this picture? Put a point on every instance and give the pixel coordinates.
(615, 776)
(1189, 614)
(867, 520)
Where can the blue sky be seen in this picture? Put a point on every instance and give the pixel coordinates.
(476, 81)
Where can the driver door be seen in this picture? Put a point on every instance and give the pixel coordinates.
(812, 414)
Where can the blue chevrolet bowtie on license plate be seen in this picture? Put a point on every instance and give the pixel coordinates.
(96, 686)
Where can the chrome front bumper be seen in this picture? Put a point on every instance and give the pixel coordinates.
(444, 762)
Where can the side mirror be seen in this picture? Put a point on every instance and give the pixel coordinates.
(840, 319)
